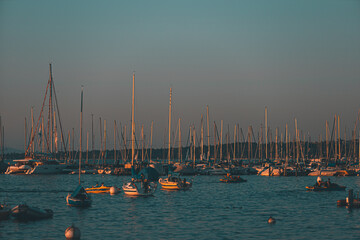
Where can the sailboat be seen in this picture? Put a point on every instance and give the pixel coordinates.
(79, 198)
(139, 185)
(173, 181)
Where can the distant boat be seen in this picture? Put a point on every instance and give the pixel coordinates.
(79, 198)
(174, 182)
(24, 212)
(4, 211)
(228, 178)
(21, 166)
(98, 189)
(48, 166)
(139, 185)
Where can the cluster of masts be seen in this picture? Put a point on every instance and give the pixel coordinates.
(46, 135)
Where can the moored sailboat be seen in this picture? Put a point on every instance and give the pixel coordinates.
(79, 198)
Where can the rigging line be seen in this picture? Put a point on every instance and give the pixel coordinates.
(37, 125)
(58, 111)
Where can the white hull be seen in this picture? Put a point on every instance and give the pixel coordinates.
(47, 169)
(137, 189)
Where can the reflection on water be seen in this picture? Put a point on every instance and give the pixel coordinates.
(210, 210)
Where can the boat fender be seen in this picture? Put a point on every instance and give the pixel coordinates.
(271, 220)
(72, 232)
(114, 190)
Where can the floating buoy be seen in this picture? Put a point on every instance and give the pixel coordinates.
(114, 190)
(271, 220)
(72, 232)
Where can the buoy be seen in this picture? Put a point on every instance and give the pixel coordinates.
(72, 232)
(271, 220)
(114, 190)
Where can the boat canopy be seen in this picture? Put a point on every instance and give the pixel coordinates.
(78, 190)
(149, 173)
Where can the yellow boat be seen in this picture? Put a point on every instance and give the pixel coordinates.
(174, 183)
(101, 189)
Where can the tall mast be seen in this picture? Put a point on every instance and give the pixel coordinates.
(286, 144)
(202, 139)
(297, 142)
(215, 145)
(105, 150)
(266, 134)
(133, 123)
(87, 148)
(25, 136)
(208, 131)
(221, 138)
(339, 142)
(92, 137)
(335, 138)
(327, 140)
(151, 137)
(43, 135)
(169, 146)
(142, 143)
(194, 138)
(234, 142)
(179, 149)
(50, 120)
(81, 121)
(276, 144)
(32, 130)
(115, 159)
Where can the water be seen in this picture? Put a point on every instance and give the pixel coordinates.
(211, 210)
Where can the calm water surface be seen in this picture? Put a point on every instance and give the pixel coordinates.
(211, 210)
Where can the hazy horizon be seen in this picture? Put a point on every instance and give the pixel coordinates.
(300, 59)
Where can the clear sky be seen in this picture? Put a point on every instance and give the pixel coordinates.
(300, 58)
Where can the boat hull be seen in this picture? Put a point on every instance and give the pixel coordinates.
(137, 189)
(76, 202)
(102, 189)
(169, 185)
(26, 213)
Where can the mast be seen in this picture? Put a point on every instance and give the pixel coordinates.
(115, 159)
(81, 122)
(151, 137)
(286, 144)
(221, 132)
(327, 140)
(179, 149)
(87, 148)
(32, 129)
(339, 140)
(266, 134)
(194, 137)
(276, 144)
(133, 123)
(208, 131)
(92, 138)
(215, 145)
(201, 139)
(169, 146)
(142, 143)
(335, 138)
(25, 136)
(105, 150)
(43, 135)
(234, 142)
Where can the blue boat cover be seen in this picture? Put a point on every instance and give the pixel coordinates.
(149, 173)
(78, 190)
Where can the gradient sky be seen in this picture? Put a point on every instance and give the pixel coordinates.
(299, 58)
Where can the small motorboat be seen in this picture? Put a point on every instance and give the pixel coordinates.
(174, 183)
(4, 211)
(98, 189)
(228, 178)
(79, 198)
(139, 188)
(326, 187)
(24, 212)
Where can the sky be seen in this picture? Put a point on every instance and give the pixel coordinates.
(300, 59)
